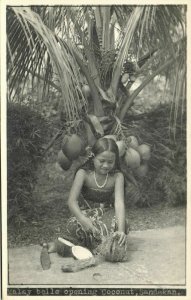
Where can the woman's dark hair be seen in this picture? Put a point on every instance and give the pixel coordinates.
(101, 145)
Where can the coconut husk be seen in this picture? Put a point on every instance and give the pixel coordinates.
(77, 265)
(111, 250)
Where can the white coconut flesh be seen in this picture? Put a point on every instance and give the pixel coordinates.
(80, 252)
(65, 242)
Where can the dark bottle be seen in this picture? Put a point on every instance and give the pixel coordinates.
(44, 257)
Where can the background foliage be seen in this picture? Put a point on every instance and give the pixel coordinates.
(27, 133)
(52, 52)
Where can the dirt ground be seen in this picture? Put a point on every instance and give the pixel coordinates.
(155, 256)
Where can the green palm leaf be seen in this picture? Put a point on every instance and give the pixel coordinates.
(55, 56)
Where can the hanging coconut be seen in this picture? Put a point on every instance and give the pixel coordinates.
(67, 249)
(144, 151)
(71, 146)
(63, 161)
(132, 142)
(124, 78)
(132, 158)
(142, 170)
(86, 91)
(113, 137)
(122, 147)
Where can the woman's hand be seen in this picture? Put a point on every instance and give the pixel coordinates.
(122, 238)
(88, 225)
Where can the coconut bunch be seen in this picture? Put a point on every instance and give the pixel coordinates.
(134, 155)
(71, 148)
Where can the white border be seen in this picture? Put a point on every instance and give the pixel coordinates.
(3, 136)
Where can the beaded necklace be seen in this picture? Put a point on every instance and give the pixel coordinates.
(100, 186)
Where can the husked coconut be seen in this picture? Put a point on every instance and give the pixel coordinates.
(132, 158)
(142, 170)
(122, 147)
(72, 146)
(63, 161)
(133, 143)
(144, 151)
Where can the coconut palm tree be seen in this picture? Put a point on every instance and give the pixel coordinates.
(91, 55)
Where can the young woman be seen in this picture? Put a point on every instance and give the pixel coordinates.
(101, 183)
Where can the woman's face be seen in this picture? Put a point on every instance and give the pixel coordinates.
(104, 162)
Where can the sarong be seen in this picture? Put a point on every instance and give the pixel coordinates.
(103, 218)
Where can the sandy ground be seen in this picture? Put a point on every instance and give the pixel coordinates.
(156, 256)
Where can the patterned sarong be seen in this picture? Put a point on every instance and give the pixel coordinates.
(103, 219)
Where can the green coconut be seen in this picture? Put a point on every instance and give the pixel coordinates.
(142, 170)
(144, 151)
(63, 161)
(133, 142)
(132, 158)
(72, 146)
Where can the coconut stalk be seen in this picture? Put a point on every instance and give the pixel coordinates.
(122, 54)
(105, 10)
(98, 107)
(99, 29)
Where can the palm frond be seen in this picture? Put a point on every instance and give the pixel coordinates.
(54, 56)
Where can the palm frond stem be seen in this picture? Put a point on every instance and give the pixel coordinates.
(143, 84)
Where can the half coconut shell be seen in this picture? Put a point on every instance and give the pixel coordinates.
(67, 249)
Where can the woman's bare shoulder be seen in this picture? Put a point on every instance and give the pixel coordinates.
(119, 175)
(81, 172)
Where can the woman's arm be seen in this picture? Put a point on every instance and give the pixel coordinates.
(75, 193)
(120, 206)
(73, 201)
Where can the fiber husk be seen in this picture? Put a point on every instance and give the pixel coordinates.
(111, 250)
